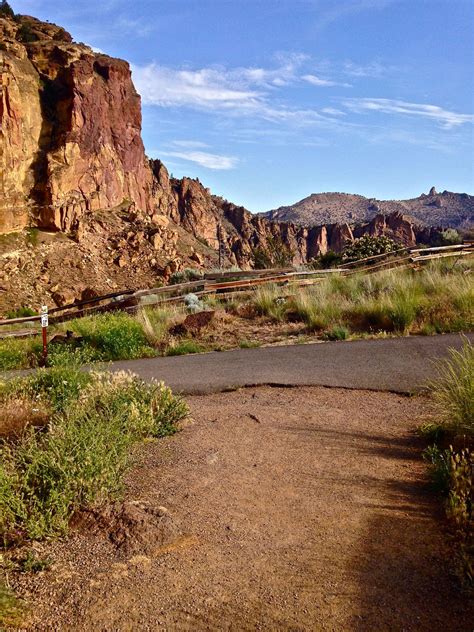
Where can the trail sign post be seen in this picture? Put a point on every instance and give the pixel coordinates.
(44, 327)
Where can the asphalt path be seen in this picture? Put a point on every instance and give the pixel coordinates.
(402, 365)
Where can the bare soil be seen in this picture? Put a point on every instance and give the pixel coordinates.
(293, 509)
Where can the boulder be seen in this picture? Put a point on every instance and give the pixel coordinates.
(193, 324)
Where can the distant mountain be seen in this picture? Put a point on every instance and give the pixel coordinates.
(434, 209)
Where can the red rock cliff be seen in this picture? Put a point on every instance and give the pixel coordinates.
(71, 129)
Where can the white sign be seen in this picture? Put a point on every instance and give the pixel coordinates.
(44, 309)
(44, 320)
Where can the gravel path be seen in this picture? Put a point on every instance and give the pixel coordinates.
(299, 509)
(401, 365)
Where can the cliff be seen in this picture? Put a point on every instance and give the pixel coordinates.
(71, 129)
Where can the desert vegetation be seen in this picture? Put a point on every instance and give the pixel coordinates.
(437, 298)
(66, 440)
(450, 454)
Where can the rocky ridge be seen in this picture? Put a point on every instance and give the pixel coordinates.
(434, 209)
(83, 209)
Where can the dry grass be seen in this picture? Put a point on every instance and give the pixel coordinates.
(19, 413)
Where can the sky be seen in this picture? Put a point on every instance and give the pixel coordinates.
(268, 101)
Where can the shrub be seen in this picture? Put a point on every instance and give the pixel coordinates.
(82, 457)
(460, 511)
(330, 259)
(184, 347)
(21, 312)
(18, 353)
(57, 387)
(249, 344)
(155, 322)
(440, 467)
(117, 336)
(403, 310)
(368, 246)
(338, 332)
(448, 237)
(10, 608)
(275, 253)
(186, 275)
(26, 34)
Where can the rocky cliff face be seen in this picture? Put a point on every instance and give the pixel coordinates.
(71, 130)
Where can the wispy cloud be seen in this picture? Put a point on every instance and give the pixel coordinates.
(189, 144)
(243, 91)
(317, 81)
(445, 118)
(373, 70)
(347, 8)
(205, 159)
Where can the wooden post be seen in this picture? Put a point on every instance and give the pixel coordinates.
(44, 327)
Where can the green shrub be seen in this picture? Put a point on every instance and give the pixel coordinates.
(184, 347)
(439, 461)
(403, 310)
(19, 353)
(460, 512)
(117, 336)
(337, 332)
(186, 275)
(81, 459)
(58, 386)
(367, 246)
(5, 10)
(249, 344)
(21, 312)
(69, 356)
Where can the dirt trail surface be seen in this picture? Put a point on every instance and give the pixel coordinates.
(402, 365)
(295, 509)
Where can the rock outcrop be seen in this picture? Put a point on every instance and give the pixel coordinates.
(434, 209)
(71, 130)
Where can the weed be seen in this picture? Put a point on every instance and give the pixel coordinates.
(249, 344)
(81, 458)
(453, 390)
(17, 353)
(10, 608)
(31, 563)
(439, 465)
(184, 347)
(337, 332)
(21, 312)
(117, 336)
(266, 302)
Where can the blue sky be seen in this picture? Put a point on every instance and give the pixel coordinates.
(267, 101)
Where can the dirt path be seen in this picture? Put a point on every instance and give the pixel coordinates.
(300, 509)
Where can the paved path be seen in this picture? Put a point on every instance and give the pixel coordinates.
(401, 365)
